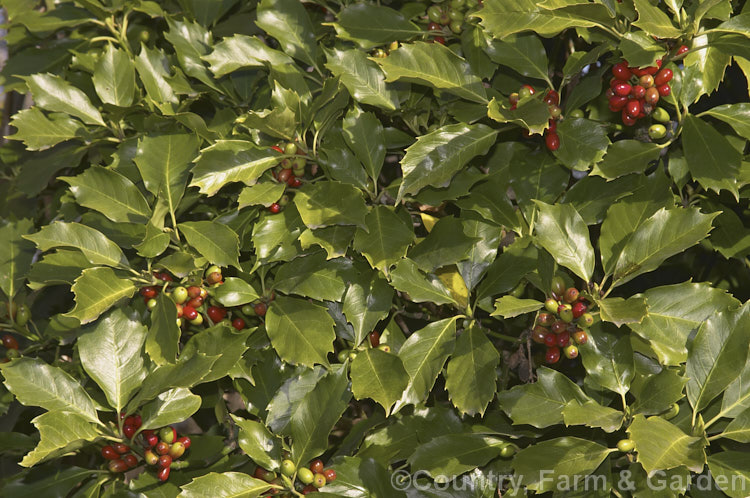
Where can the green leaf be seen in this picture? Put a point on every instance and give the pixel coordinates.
(640, 49)
(164, 162)
(301, 332)
(736, 397)
(288, 397)
(360, 477)
(434, 65)
(317, 414)
(362, 78)
(446, 244)
(288, 22)
(363, 133)
(39, 132)
(710, 62)
(240, 51)
(423, 355)
(330, 203)
(716, 355)
(315, 277)
(370, 25)
(582, 143)
(569, 459)
(739, 428)
(97, 248)
(663, 446)
(564, 234)
(163, 340)
(625, 157)
(110, 193)
(111, 352)
(263, 194)
(450, 455)
(52, 483)
(608, 361)
(712, 160)
(191, 42)
(53, 93)
(511, 306)
(152, 65)
(664, 234)
(655, 21)
(59, 267)
(275, 236)
(524, 54)
(35, 383)
(60, 433)
(421, 288)
(335, 240)
(228, 484)
(483, 252)
(218, 243)
(736, 115)
(386, 239)
(531, 113)
(114, 77)
(230, 161)
(221, 340)
(16, 255)
(154, 243)
(516, 261)
(258, 443)
(437, 156)
(470, 376)
(380, 376)
(658, 392)
(366, 302)
(541, 404)
(592, 414)
(731, 472)
(235, 292)
(170, 407)
(620, 311)
(97, 290)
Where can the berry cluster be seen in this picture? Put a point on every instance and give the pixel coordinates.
(566, 318)
(191, 301)
(447, 18)
(552, 99)
(374, 340)
(382, 53)
(634, 92)
(288, 171)
(120, 457)
(164, 449)
(313, 477)
(11, 347)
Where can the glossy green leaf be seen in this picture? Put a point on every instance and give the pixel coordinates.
(366, 302)
(235, 292)
(731, 472)
(39, 131)
(511, 306)
(363, 133)
(655, 21)
(335, 240)
(736, 115)
(218, 243)
(423, 355)
(330, 203)
(16, 255)
(531, 113)
(506, 17)
(230, 161)
(608, 361)
(437, 156)
(564, 234)
(287, 399)
(582, 143)
(53, 93)
(625, 157)
(370, 25)
(658, 392)
(169, 407)
(275, 236)
(97, 248)
(258, 443)
(362, 78)
(114, 77)
(263, 194)
(315, 277)
(421, 287)
(358, 477)
(35, 383)
(434, 65)
(224, 485)
(524, 54)
(662, 446)
(621, 311)
(221, 341)
(592, 414)
(386, 239)
(110, 193)
(154, 243)
(97, 290)
(288, 22)
(450, 455)
(151, 66)
(713, 162)
(380, 376)
(447, 243)
(60, 433)
(238, 51)
(470, 376)
(111, 352)
(163, 340)
(301, 332)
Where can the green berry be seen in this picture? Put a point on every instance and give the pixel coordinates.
(557, 285)
(305, 475)
(290, 148)
(288, 468)
(586, 320)
(576, 113)
(657, 131)
(434, 13)
(507, 451)
(248, 310)
(626, 445)
(660, 114)
(551, 305)
(524, 93)
(180, 295)
(23, 315)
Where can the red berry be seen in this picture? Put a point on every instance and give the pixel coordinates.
(626, 119)
(633, 108)
(571, 295)
(552, 125)
(646, 81)
(137, 421)
(195, 302)
(317, 466)
(580, 337)
(663, 76)
(189, 312)
(439, 39)
(683, 49)
(539, 334)
(10, 342)
(185, 441)
(529, 88)
(277, 149)
(309, 489)
(638, 92)
(152, 440)
(622, 89)
(375, 338)
(238, 323)
(110, 453)
(260, 473)
(129, 431)
(553, 355)
(664, 90)
(294, 182)
(545, 319)
(275, 208)
(216, 314)
(194, 291)
(617, 103)
(214, 277)
(284, 175)
(120, 448)
(621, 71)
(550, 340)
(609, 93)
(579, 309)
(552, 141)
(162, 448)
(652, 96)
(552, 97)
(563, 339)
(558, 327)
(433, 26)
(165, 277)
(118, 466)
(165, 461)
(130, 460)
(330, 475)
(163, 474)
(260, 309)
(149, 292)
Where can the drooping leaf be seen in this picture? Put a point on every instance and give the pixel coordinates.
(366, 302)
(97, 248)
(97, 290)
(60, 433)
(712, 160)
(53, 93)
(163, 339)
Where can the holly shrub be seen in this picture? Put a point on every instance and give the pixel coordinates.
(454, 248)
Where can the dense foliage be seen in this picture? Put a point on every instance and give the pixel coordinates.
(462, 248)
